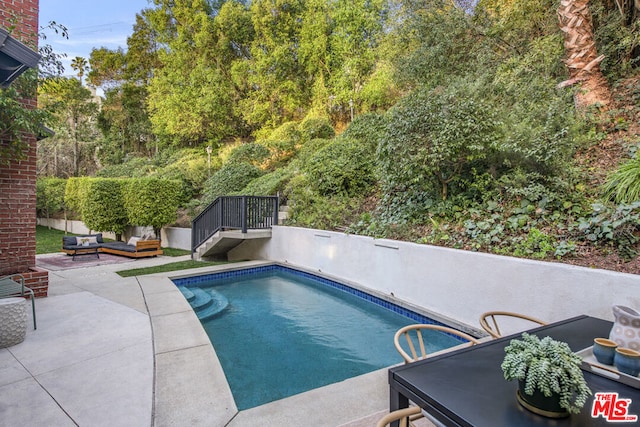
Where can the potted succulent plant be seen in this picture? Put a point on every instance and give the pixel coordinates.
(551, 382)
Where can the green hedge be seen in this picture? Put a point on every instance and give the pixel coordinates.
(75, 194)
(50, 196)
(152, 202)
(103, 208)
(112, 204)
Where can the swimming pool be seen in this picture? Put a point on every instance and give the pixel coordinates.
(279, 331)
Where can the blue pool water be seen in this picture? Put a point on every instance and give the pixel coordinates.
(279, 332)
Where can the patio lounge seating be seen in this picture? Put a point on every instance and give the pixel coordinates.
(13, 286)
(134, 248)
(75, 246)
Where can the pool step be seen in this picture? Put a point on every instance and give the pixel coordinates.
(202, 300)
(219, 303)
(206, 304)
(187, 293)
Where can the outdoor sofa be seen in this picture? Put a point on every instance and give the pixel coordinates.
(136, 247)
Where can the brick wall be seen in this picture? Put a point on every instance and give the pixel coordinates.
(27, 12)
(18, 180)
(38, 280)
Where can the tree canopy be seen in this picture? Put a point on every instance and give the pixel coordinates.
(483, 124)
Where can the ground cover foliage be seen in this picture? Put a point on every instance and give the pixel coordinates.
(436, 122)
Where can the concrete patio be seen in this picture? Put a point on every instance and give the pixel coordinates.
(119, 351)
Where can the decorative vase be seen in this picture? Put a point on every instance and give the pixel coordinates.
(626, 328)
(540, 404)
(627, 361)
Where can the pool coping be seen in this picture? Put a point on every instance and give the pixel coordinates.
(184, 356)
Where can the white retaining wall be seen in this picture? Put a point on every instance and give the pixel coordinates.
(455, 283)
(172, 237)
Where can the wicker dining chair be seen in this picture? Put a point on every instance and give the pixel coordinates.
(416, 341)
(406, 417)
(489, 321)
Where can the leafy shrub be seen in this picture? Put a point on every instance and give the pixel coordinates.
(282, 143)
(310, 209)
(366, 129)
(431, 140)
(380, 91)
(193, 207)
(286, 132)
(17, 120)
(103, 208)
(316, 127)
(132, 167)
(539, 137)
(188, 188)
(190, 168)
(486, 231)
(309, 148)
(251, 152)
(230, 179)
(50, 196)
(281, 152)
(517, 229)
(269, 184)
(530, 76)
(536, 245)
(616, 40)
(341, 168)
(623, 186)
(617, 226)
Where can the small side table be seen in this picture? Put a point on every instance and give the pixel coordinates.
(13, 318)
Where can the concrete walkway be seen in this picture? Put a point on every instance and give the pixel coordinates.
(119, 351)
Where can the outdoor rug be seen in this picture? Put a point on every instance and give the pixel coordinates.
(66, 262)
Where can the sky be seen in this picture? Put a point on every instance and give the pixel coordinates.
(91, 24)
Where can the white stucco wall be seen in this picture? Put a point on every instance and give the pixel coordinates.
(176, 237)
(455, 283)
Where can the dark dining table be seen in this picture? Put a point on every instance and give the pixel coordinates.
(466, 387)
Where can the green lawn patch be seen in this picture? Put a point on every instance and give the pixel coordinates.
(172, 266)
(175, 252)
(49, 241)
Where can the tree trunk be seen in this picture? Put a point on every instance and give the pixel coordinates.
(55, 159)
(582, 58)
(76, 146)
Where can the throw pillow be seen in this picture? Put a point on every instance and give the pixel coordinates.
(133, 240)
(86, 240)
